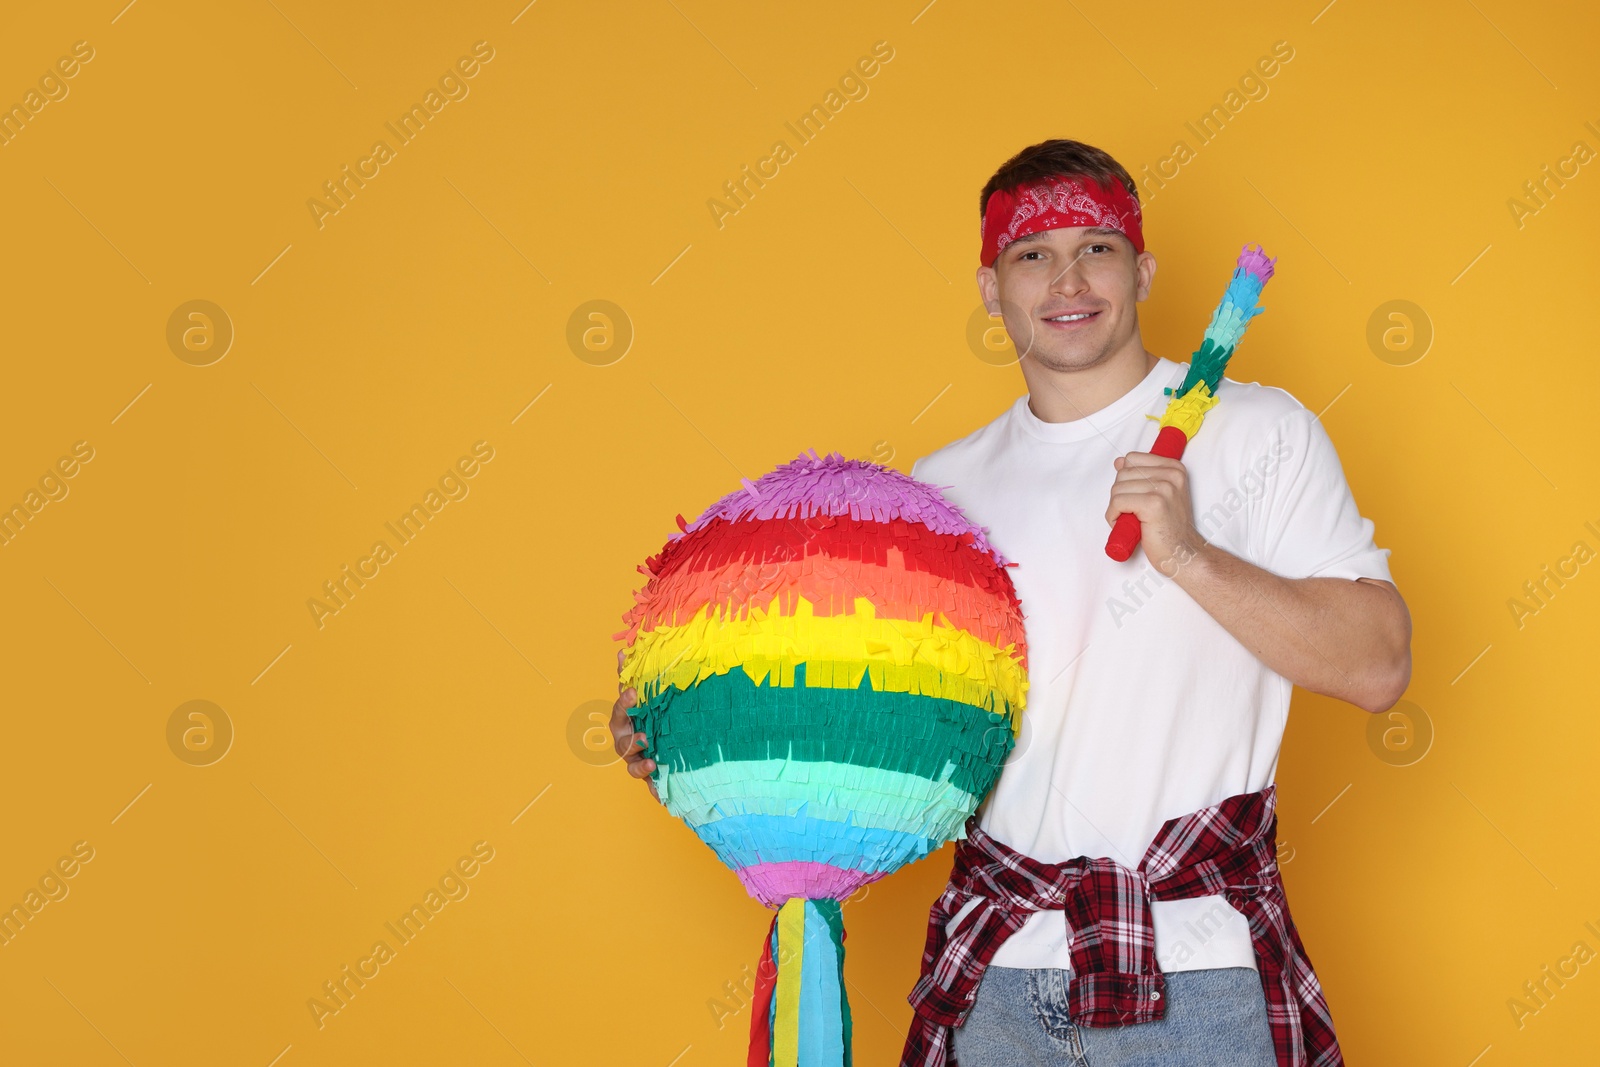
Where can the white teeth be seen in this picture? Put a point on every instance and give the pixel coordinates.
(1071, 318)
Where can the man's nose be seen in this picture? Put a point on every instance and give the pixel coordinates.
(1070, 280)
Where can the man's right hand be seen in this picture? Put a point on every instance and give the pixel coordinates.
(627, 742)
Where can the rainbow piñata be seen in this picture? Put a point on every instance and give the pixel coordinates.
(831, 672)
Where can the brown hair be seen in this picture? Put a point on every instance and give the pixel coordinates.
(1056, 158)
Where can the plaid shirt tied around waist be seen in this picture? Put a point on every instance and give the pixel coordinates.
(1229, 848)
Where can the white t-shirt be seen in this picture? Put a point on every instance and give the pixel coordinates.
(1141, 707)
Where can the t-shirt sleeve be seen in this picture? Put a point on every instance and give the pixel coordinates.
(1305, 522)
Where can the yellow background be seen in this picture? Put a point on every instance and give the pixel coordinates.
(454, 690)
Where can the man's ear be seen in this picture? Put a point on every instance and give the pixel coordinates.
(1145, 266)
(989, 289)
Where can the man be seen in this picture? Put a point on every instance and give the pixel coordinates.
(1159, 686)
(1117, 899)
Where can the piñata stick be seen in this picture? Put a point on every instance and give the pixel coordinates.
(1198, 393)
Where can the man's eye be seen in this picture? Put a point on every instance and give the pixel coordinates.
(1104, 246)
(1030, 252)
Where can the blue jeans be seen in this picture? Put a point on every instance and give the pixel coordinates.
(1214, 1018)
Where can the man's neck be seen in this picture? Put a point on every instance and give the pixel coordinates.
(1066, 396)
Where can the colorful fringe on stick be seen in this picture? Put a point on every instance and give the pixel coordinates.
(831, 673)
(1198, 393)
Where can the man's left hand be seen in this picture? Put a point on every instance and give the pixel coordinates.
(1156, 489)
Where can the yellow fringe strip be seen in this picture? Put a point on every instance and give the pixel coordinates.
(1186, 412)
(791, 934)
(925, 658)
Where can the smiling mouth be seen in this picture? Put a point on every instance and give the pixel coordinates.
(1073, 319)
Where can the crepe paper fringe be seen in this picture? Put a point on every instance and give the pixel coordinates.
(801, 1014)
(1197, 394)
(899, 655)
(763, 1003)
(832, 485)
(1229, 320)
(773, 883)
(742, 841)
(906, 570)
(729, 718)
(1186, 412)
(839, 792)
(1254, 261)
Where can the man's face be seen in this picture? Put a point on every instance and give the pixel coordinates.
(1043, 283)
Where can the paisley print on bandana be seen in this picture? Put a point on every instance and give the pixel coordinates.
(1060, 202)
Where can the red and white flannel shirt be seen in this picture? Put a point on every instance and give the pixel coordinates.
(1229, 848)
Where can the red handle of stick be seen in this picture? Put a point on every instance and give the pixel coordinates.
(1125, 532)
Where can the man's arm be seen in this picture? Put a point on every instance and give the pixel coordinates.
(1342, 638)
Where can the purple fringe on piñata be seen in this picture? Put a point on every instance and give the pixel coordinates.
(834, 485)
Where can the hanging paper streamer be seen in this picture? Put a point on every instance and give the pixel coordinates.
(1198, 393)
(831, 672)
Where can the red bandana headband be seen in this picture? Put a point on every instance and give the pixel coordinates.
(1056, 203)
